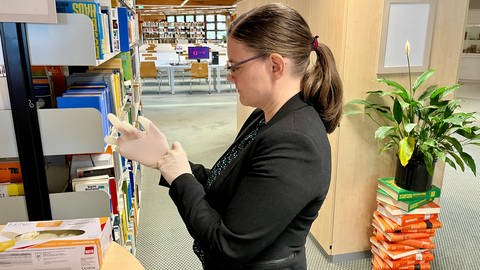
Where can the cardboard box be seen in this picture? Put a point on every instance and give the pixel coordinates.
(58, 244)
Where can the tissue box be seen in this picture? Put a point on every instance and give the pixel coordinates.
(58, 244)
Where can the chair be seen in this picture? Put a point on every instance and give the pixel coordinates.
(149, 70)
(199, 70)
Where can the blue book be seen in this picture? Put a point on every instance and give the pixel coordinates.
(96, 101)
(123, 17)
(95, 86)
(92, 10)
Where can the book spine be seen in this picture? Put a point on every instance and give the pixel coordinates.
(91, 10)
(433, 193)
(416, 204)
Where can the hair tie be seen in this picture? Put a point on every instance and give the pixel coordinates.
(315, 43)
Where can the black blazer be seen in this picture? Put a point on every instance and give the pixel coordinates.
(258, 212)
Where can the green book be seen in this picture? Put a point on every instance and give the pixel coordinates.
(388, 185)
(407, 206)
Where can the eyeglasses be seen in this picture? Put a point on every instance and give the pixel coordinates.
(232, 68)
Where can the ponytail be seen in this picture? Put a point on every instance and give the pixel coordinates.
(322, 87)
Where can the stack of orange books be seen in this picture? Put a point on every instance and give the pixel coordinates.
(404, 240)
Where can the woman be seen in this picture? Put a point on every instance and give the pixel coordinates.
(254, 208)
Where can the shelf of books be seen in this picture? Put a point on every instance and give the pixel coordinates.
(82, 70)
(404, 226)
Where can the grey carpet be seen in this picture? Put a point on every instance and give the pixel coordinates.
(205, 125)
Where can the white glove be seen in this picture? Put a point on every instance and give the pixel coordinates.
(146, 147)
(174, 163)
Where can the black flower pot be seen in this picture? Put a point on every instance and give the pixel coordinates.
(414, 176)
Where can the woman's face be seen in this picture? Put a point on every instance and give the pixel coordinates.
(249, 72)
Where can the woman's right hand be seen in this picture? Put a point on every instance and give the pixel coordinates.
(145, 146)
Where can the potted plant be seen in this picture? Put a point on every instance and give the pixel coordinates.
(423, 126)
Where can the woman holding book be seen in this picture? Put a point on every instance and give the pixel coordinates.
(254, 208)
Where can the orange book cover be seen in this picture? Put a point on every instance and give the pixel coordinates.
(396, 247)
(395, 237)
(387, 225)
(418, 266)
(418, 243)
(404, 219)
(10, 172)
(378, 263)
(424, 257)
(394, 255)
(425, 224)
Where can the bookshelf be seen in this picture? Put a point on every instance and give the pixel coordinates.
(169, 32)
(70, 42)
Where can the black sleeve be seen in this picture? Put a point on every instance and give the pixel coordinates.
(281, 181)
(198, 170)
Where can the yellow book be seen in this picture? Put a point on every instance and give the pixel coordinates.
(11, 189)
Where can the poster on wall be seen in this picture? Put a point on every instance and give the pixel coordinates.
(28, 11)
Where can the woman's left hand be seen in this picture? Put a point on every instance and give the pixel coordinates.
(174, 163)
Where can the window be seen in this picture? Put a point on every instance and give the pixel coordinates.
(189, 18)
(170, 18)
(221, 34)
(210, 26)
(211, 35)
(210, 18)
(199, 18)
(221, 26)
(221, 18)
(180, 18)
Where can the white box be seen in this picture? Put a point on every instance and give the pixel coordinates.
(59, 244)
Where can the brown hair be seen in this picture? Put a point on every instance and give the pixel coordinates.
(278, 28)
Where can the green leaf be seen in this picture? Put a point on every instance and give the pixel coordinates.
(438, 91)
(429, 162)
(410, 126)
(382, 132)
(422, 78)
(358, 102)
(397, 111)
(405, 150)
(401, 90)
(475, 143)
(455, 144)
(458, 160)
(449, 90)
(427, 92)
(451, 163)
(469, 161)
(351, 112)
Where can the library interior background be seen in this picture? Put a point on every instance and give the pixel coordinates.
(68, 200)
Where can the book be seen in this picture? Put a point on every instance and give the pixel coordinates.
(10, 171)
(395, 254)
(96, 101)
(80, 184)
(91, 10)
(424, 257)
(428, 208)
(408, 206)
(388, 185)
(404, 219)
(395, 237)
(96, 170)
(389, 226)
(123, 25)
(11, 189)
